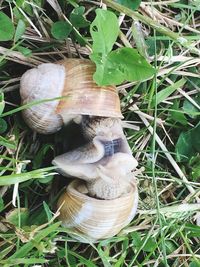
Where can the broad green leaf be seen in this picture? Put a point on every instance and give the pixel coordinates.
(114, 67)
(190, 109)
(104, 31)
(195, 263)
(163, 94)
(61, 30)
(136, 239)
(21, 27)
(195, 133)
(184, 148)
(176, 113)
(24, 50)
(188, 144)
(77, 18)
(132, 4)
(3, 125)
(150, 245)
(124, 64)
(153, 46)
(129, 62)
(7, 28)
(106, 73)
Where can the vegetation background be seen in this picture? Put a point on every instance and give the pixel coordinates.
(161, 107)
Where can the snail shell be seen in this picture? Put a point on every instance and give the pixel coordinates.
(96, 219)
(70, 80)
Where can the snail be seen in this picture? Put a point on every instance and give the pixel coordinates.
(70, 83)
(94, 219)
(104, 198)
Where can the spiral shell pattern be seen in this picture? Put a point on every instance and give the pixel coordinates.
(96, 219)
(71, 81)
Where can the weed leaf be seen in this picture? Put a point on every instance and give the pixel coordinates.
(131, 64)
(184, 149)
(24, 50)
(7, 28)
(120, 65)
(195, 133)
(195, 264)
(77, 18)
(188, 144)
(61, 30)
(3, 125)
(114, 67)
(104, 31)
(129, 3)
(21, 27)
(191, 110)
(176, 114)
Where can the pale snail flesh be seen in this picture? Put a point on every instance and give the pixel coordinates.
(70, 80)
(105, 162)
(93, 219)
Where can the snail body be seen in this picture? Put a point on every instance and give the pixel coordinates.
(107, 178)
(70, 83)
(93, 218)
(105, 162)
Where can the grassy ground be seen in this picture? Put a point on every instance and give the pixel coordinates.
(163, 130)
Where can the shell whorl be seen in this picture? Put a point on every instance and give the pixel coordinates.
(38, 84)
(93, 218)
(84, 96)
(71, 80)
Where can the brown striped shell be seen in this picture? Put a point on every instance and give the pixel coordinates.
(71, 80)
(94, 219)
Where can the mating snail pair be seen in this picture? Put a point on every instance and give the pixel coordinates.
(104, 198)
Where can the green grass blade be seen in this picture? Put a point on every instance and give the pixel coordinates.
(22, 177)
